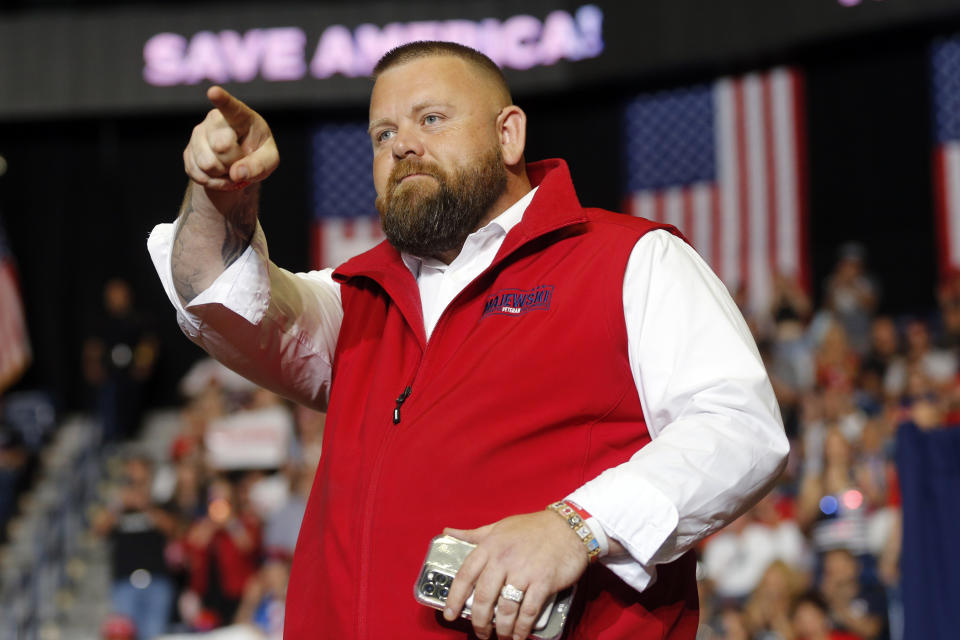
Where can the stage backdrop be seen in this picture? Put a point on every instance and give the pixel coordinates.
(724, 163)
(945, 75)
(284, 54)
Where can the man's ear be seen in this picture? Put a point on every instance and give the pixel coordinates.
(512, 130)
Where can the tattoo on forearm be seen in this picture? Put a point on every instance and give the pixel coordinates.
(185, 210)
(183, 282)
(197, 235)
(239, 225)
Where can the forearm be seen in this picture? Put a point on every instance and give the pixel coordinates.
(718, 441)
(213, 229)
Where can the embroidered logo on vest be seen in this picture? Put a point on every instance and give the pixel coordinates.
(516, 302)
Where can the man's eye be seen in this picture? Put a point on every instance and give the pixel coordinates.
(431, 119)
(383, 136)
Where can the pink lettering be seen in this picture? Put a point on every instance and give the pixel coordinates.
(590, 20)
(425, 30)
(278, 54)
(334, 53)
(162, 57)
(283, 55)
(372, 42)
(466, 32)
(558, 40)
(491, 43)
(203, 60)
(242, 54)
(519, 41)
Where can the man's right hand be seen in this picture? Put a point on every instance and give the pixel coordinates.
(229, 151)
(233, 146)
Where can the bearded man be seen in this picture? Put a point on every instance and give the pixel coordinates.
(506, 349)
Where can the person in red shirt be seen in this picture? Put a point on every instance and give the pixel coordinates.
(223, 552)
(811, 621)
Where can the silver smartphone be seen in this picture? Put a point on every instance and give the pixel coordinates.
(444, 557)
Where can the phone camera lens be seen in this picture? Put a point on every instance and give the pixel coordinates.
(429, 588)
(444, 592)
(442, 579)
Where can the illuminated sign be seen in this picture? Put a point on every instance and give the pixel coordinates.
(294, 54)
(281, 53)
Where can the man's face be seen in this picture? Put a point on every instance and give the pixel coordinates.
(437, 166)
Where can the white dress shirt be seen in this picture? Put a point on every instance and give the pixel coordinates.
(718, 440)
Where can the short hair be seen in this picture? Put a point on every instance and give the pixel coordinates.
(434, 48)
(811, 597)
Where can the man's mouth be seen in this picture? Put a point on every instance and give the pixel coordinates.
(416, 175)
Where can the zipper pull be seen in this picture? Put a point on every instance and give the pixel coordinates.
(400, 400)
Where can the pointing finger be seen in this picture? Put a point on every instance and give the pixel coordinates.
(237, 114)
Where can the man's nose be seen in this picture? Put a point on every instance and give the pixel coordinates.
(406, 143)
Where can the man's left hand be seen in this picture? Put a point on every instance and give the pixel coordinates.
(537, 553)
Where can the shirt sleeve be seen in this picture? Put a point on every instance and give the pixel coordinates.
(276, 328)
(718, 440)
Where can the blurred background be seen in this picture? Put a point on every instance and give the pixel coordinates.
(810, 150)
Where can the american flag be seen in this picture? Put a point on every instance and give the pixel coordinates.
(945, 59)
(345, 220)
(724, 162)
(14, 343)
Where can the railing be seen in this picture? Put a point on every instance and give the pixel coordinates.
(35, 576)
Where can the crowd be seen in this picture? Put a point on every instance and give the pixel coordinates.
(202, 535)
(819, 558)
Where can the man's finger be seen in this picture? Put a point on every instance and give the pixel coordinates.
(214, 184)
(473, 536)
(463, 583)
(237, 114)
(533, 601)
(486, 593)
(257, 165)
(507, 610)
(207, 161)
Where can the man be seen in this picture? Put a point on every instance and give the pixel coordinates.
(505, 349)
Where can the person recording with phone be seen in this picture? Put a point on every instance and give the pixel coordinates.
(572, 388)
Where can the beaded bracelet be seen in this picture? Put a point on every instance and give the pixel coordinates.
(577, 519)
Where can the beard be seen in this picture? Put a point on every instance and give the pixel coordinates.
(425, 219)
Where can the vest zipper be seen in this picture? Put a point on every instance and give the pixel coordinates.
(365, 532)
(369, 502)
(400, 400)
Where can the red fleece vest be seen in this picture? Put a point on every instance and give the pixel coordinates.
(523, 393)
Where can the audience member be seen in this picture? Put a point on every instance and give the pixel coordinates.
(768, 609)
(16, 464)
(852, 295)
(737, 557)
(812, 622)
(263, 598)
(280, 534)
(948, 300)
(223, 551)
(138, 530)
(854, 604)
(831, 504)
(920, 366)
(118, 358)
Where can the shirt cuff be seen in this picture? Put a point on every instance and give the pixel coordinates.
(641, 529)
(243, 287)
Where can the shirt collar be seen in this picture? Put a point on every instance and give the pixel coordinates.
(501, 225)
